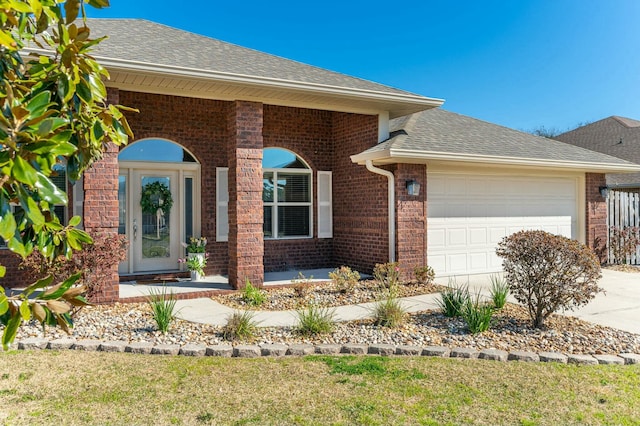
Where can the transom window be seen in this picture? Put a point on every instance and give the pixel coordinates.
(286, 194)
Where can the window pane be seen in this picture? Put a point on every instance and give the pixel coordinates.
(156, 150)
(293, 221)
(277, 158)
(267, 227)
(188, 207)
(293, 188)
(267, 187)
(122, 204)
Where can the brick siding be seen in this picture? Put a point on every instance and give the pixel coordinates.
(596, 215)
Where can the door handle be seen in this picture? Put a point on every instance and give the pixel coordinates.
(135, 230)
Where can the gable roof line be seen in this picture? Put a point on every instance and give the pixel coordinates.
(403, 155)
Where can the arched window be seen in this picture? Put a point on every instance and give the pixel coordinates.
(156, 150)
(286, 194)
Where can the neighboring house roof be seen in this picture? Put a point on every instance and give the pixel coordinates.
(616, 136)
(439, 135)
(138, 50)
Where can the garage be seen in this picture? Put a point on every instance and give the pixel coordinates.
(469, 213)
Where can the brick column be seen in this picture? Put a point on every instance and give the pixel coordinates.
(411, 219)
(246, 243)
(596, 215)
(100, 210)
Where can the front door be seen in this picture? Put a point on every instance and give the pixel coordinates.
(155, 230)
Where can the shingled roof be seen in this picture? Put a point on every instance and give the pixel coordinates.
(437, 134)
(616, 136)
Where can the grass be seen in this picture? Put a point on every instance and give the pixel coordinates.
(499, 291)
(315, 320)
(163, 308)
(477, 314)
(116, 388)
(240, 326)
(252, 295)
(453, 299)
(389, 312)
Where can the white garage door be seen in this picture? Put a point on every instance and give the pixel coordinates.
(469, 214)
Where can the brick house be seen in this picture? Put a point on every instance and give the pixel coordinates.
(282, 165)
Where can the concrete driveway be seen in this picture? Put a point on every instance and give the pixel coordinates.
(618, 307)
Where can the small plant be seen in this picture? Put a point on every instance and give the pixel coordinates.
(389, 312)
(623, 242)
(424, 275)
(301, 289)
(548, 272)
(315, 320)
(453, 299)
(240, 326)
(387, 275)
(196, 245)
(196, 263)
(252, 295)
(345, 279)
(499, 291)
(477, 314)
(163, 308)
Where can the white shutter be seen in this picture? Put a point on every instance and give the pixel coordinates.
(325, 208)
(222, 203)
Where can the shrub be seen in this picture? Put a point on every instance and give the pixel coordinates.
(389, 312)
(477, 314)
(163, 307)
(315, 320)
(345, 279)
(387, 275)
(548, 272)
(94, 262)
(424, 275)
(252, 295)
(499, 291)
(240, 326)
(623, 242)
(453, 299)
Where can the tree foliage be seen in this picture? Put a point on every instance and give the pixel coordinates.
(54, 114)
(548, 272)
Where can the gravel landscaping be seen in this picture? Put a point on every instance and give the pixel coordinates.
(511, 330)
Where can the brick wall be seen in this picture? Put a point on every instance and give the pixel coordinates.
(411, 218)
(596, 215)
(360, 227)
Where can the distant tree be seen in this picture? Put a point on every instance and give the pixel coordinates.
(549, 133)
(54, 114)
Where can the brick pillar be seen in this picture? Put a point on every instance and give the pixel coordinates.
(411, 219)
(246, 243)
(596, 215)
(100, 210)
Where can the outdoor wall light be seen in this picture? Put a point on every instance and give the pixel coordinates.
(604, 191)
(413, 187)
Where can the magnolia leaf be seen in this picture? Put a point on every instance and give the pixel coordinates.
(25, 312)
(44, 282)
(74, 291)
(10, 330)
(39, 103)
(32, 212)
(3, 271)
(80, 235)
(48, 191)
(73, 242)
(98, 4)
(62, 322)
(7, 225)
(71, 9)
(75, 221)
(16, 246)
(7, 41)
(58, 306)
(58, 290)
(23, 172)
(4, 304)
(39, 313)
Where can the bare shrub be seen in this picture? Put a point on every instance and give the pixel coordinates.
(95, 262)
(424, 275)
(623, 242)
(548, 272)
(345, 279)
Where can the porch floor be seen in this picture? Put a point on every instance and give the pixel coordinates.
(214, 283)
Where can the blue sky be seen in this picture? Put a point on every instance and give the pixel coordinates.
(520, 63)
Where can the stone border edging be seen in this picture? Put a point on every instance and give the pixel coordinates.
(281, 350)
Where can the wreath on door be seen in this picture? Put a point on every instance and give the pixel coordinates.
(156, 196)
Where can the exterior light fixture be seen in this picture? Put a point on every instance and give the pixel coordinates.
(413, 187)
(604, 191)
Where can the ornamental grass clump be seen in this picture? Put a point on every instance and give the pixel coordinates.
(499, 291)
(252, 295)
(549, 272)
(389, 312)
(453, 299)
(345, 279)
(477, 314)
(163, 308)
(315, 320)
(240, 326)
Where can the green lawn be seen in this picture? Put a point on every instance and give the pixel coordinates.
(103, 388)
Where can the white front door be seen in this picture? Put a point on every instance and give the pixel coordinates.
(155, 236)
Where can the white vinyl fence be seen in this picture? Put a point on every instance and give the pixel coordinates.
(623, 211)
